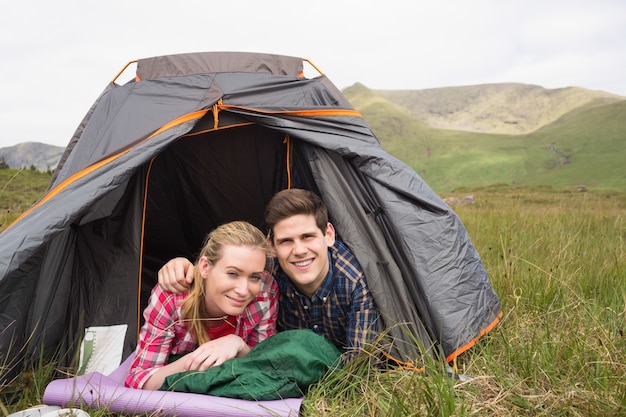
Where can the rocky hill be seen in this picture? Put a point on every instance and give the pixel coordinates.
(508, 108)
(32, 154)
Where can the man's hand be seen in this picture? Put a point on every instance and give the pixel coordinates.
(176, 276)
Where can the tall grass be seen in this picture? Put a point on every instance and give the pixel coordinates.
(557, 259)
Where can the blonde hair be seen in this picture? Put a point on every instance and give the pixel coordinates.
(237, 233)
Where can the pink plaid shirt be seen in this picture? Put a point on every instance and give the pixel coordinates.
(164, 332)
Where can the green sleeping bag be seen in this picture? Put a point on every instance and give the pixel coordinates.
(281, 366)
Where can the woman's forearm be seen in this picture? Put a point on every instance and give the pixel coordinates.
(156, 379)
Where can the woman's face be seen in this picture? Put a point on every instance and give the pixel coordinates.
(233, 281)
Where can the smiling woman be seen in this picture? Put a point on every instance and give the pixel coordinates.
(231, 307)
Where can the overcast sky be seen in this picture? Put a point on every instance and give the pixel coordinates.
(57, 56)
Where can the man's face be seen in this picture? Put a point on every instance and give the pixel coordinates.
(302, 250)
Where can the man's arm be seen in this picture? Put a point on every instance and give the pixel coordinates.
(176, 275)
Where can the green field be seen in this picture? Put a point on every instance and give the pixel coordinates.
(557, 259)
(19, 189)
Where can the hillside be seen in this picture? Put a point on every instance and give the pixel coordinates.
(24, 155)
(495, 108)
(576, 140)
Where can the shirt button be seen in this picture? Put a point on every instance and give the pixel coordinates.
(315, 327)
(324, 299)
(306, 307)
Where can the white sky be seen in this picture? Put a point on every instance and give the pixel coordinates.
(57, 56)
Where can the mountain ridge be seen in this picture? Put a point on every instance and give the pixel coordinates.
(475, 136)
(506, 108)
(582, 143)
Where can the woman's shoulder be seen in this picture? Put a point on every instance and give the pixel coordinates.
(164, 297)
(269, 289)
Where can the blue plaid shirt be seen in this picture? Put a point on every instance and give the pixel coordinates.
(342, 309)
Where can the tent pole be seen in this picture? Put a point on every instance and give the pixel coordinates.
(124, 69)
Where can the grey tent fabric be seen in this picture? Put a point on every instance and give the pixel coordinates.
(200, 139)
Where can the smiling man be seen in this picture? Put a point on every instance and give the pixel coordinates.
(322, 286)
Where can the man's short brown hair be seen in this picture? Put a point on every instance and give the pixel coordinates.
(294, 201)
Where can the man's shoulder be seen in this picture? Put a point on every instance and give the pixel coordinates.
(340, 248)
(285, 284)
(344, 261)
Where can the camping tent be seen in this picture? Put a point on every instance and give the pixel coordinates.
(195, 140)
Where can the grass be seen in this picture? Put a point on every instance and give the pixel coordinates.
(557, 259)
(19, 189)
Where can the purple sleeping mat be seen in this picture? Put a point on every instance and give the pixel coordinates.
(95, 390)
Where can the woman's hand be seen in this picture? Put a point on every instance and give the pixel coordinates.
(215, 352)
(212, 353)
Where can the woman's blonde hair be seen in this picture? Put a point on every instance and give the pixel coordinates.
(237, 233)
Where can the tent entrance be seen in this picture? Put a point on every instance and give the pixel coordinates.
(204, 180)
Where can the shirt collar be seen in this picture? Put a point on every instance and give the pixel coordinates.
(324, 290)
